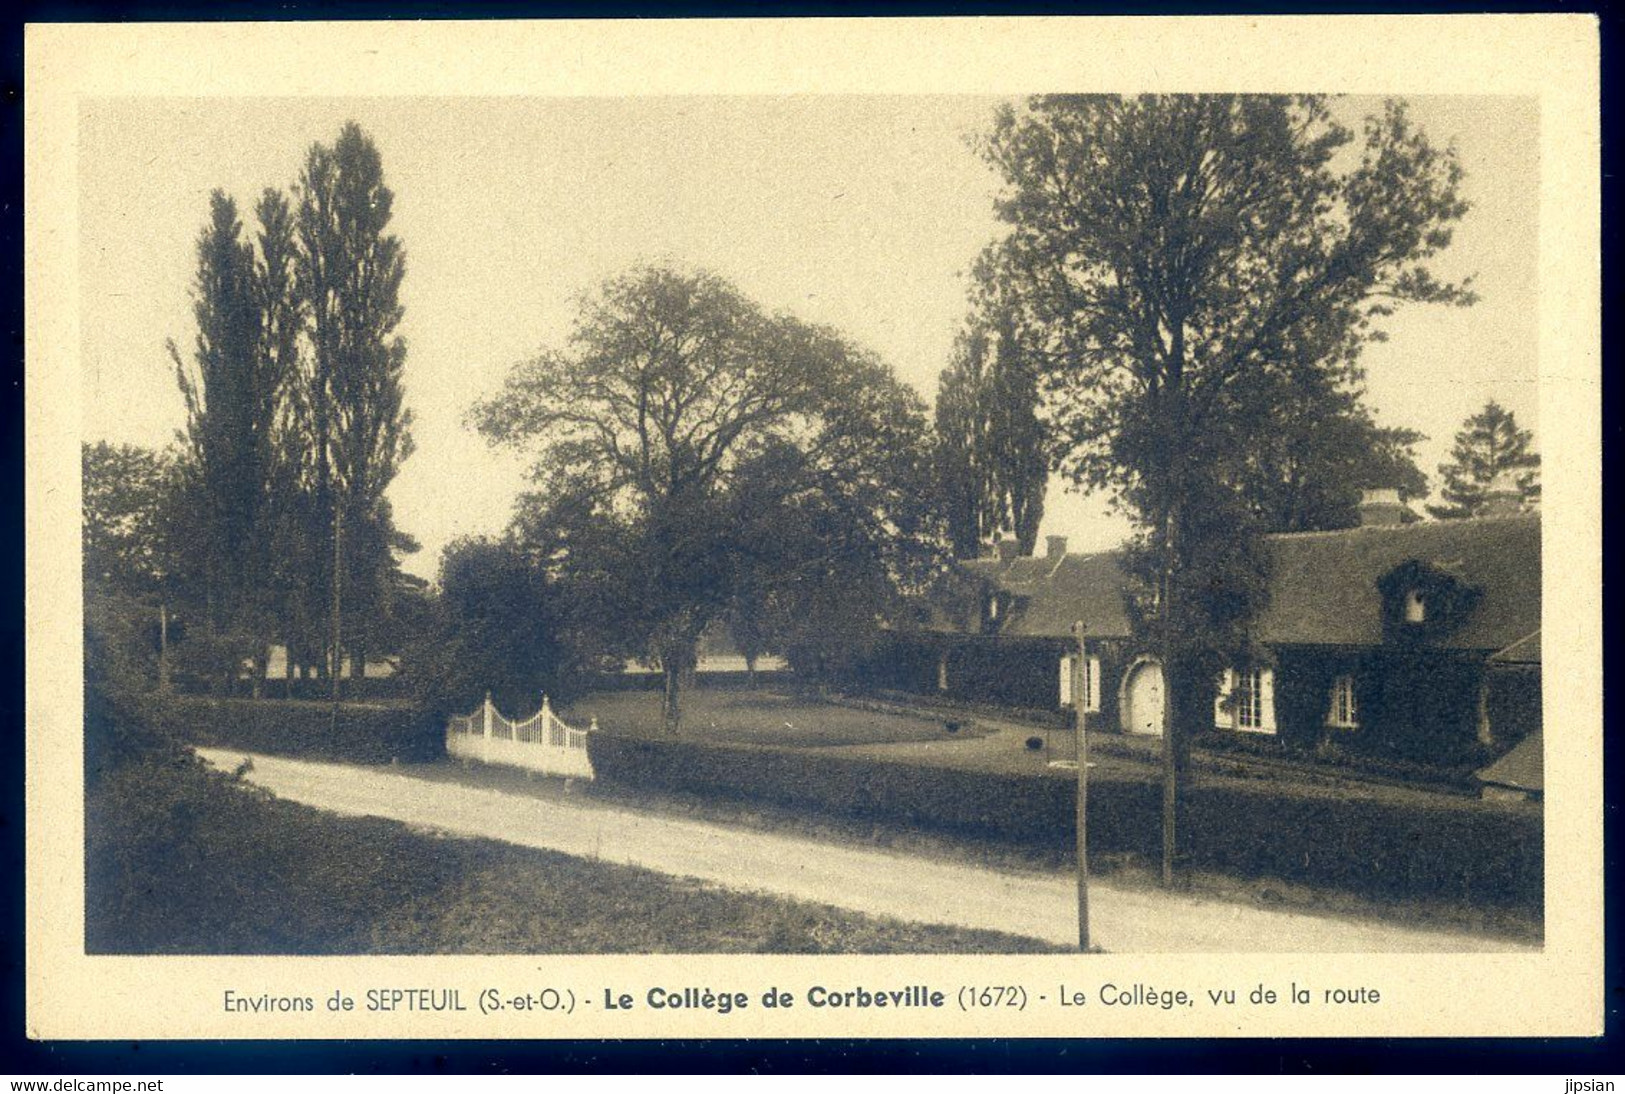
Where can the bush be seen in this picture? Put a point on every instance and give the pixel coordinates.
(1373, 843)
(366, 732)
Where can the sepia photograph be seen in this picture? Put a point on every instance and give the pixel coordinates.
(1099, 522)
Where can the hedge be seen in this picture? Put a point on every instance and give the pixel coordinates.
(1371, 843)
(716, 680)
(366, 732)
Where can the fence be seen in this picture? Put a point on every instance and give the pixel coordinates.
(538, 743)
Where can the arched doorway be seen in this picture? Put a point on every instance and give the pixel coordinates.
(1142, 699)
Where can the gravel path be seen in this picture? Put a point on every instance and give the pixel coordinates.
(873, 881)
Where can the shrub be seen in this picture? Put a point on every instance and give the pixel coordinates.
(1034, 744)
(365, 732)
(1376, 842)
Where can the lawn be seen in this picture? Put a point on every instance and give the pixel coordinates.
(758, 718)
(180, 860)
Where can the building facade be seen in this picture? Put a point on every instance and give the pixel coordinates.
(1417, 641)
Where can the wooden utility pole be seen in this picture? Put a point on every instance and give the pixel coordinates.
(1080, 700)
(338, 579)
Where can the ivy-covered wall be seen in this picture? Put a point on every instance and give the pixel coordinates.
(1413, 704)
(1512, 702)
(1419, 705)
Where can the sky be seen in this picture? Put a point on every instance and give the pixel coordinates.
(864, 213)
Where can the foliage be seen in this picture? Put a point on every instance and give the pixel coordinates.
(295, 422)
(128, 513)
(1377, 842)
(991, 462)
(1182, 260)
(1323, 450)
(349, 270)
(366, 733)
(1490, 446)
(120, 670)
(226, 435)
(691, 446)
(496, 625)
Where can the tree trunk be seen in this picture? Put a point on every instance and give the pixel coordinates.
(750, 672)
(163, 648)
(670, 709)
(262, 669)
(1176, 687)
(338, 600)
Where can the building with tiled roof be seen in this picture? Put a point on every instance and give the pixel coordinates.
(1411, 640)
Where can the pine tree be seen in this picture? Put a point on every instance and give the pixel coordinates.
(1489, 446)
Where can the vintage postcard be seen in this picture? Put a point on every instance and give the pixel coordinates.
(814, 528)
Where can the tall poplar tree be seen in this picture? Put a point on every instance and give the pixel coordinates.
(350, 270)
(992, 470)
(221, 479)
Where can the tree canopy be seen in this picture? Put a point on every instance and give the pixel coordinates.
(128, 510)
(295, 417)
(675, 398)
(1184, 260)
(992, 464)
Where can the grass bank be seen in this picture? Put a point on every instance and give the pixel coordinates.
(764, 718)
(184, 860)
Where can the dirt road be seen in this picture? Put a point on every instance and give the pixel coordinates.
(876, 882)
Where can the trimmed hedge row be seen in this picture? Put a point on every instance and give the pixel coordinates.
(1369, 843)
(367, 733)
(364, 690)
(714, 680)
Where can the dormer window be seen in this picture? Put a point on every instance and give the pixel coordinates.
(1416, 607)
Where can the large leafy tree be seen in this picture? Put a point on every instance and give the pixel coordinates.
(673, 392)
(128, 510)
(349, 270)
(494, 625)
(992, 468)
(1490, 446)
(132, 554)
(1176, 254)
(1322, 449)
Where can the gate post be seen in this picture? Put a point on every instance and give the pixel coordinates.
(485, 719)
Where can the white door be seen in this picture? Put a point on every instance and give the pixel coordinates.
(1142, 708)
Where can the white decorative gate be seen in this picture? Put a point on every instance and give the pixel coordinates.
(539, 743)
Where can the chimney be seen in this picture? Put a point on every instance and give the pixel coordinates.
(1503, 498)
(1381, 508)
(1054, 546)
(1006, 549)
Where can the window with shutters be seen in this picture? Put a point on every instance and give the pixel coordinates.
(1343, 713)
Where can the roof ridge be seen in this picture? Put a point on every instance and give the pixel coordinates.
(1420, 525)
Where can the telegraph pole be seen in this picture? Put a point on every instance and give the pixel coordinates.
(338, 578)
(1080, 700)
